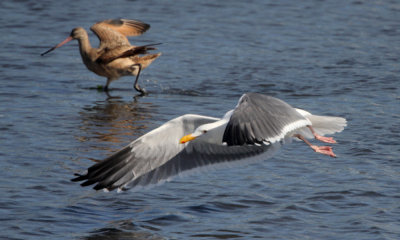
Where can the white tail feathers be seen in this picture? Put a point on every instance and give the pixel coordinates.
(327, 125)
(322, 125)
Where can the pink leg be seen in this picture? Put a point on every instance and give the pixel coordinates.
(319, 149)
(324, 150)
(321, 138)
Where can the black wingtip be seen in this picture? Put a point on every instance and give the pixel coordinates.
(149, 45)
(98, 187)
(79, 178)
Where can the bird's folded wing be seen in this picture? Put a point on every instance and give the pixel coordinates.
(123, 52)
(259, 118)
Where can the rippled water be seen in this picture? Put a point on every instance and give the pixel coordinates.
(329, 57)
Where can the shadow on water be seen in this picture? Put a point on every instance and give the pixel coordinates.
(122, 229)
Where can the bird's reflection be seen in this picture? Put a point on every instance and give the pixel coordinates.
(107, 124)
(122, 229)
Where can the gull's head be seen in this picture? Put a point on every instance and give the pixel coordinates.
(203, 129)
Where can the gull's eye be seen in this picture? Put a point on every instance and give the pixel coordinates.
(204, 131)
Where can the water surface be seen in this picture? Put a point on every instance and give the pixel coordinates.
(330, 57)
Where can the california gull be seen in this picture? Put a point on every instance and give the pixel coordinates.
(253, 130)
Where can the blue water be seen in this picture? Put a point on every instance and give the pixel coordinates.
(336, 58)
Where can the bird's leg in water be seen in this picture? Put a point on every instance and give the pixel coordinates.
(319, 149)
(321, 138)
(105, 88)
(136, 84)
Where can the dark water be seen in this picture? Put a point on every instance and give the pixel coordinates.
(329, 57)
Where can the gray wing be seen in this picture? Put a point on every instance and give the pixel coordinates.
(198, 155)
(259, 118)
(143, 155)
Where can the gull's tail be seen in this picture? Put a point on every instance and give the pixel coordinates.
(323, 125)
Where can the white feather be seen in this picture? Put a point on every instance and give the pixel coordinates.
(323, 125)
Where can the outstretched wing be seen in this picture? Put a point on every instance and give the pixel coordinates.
(143, 155)
(198, 155)
(258, 118)
(158, 156)
(112, 33)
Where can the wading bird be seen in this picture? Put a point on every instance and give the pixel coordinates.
(254, 129)
(115, 57)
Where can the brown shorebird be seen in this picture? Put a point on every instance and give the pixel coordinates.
(115, 57)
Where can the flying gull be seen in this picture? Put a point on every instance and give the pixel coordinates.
(253, 130)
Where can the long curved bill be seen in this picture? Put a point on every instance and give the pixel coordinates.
(187, 138)
(58, 45)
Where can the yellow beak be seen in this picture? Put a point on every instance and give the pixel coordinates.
(187, 138)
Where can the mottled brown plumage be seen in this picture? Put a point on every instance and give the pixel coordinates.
(115, 57)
